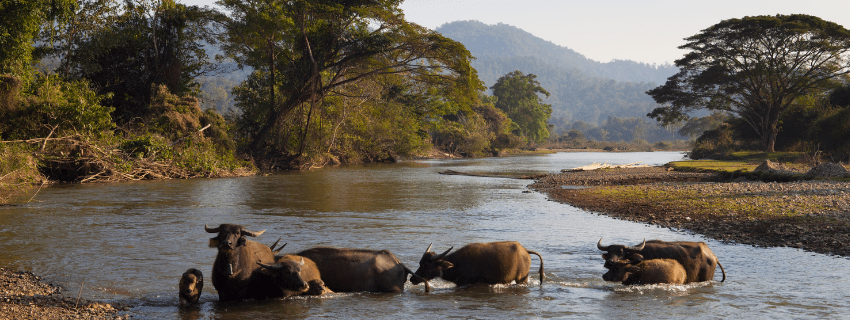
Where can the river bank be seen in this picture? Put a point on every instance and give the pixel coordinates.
(813, 215)
(24, 295)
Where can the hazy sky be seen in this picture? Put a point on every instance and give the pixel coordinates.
(640, 30)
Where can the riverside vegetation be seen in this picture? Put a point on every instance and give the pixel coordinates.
(102, 91)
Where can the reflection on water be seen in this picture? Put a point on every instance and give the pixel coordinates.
(132, 241)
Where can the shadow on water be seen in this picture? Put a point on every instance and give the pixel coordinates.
(132, 241)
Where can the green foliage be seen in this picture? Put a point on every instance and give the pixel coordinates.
(755, 68)
(718, 143)
(517, 95)
(19, 25)
(144, 146)
(18, 170)
(139, 45)
(309, 49)
(469, 136)
(832, 134)
(50, 104)
(695, 126)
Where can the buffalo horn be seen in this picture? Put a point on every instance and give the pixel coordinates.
(429, 247)
(210, 230)
(442, 254)
(600, 246)
(252, 233)
(638, 247)
(268, 266)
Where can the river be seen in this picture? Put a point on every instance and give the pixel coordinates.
(132, 241)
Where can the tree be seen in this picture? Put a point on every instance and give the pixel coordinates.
(310, 49)
(695, 126)
(19, 24)
(754, 68)
(518, 97)
(149, 43)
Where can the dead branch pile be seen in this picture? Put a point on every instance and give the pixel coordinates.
(75, 159)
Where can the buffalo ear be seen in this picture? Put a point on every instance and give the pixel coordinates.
(633, 269)
(446, 265)
(605, 256)
(241, 241)
(636, 257)
(213, 243)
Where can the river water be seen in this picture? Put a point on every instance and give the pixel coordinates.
(132, 241)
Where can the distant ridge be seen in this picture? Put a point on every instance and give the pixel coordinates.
(581, 89)
(502, 40)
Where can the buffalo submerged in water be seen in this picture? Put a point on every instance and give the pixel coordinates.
(698, 261)
(236, 274)
(487, 263)
(356, 270)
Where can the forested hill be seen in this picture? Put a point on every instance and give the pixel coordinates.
(579, 89)
(502, 40)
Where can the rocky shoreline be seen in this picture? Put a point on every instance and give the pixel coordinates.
(23, 295)
(813, 215)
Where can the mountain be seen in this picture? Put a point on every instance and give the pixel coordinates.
(502, 40)
(581, 89)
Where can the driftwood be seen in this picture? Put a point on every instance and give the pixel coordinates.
(506, 176)
(605, 165)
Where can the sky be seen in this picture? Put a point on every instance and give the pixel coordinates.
(647, 31)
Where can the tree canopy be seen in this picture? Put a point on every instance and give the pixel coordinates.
(19, 24)
(314, 48)
(518, 97)
(755, 68)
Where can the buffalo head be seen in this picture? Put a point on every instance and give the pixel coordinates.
(431, 266)
(616, 252)
(287, 275)
(230, 236)
(620, 271)
(191, 285)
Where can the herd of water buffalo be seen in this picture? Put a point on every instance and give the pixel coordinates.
(244, 269)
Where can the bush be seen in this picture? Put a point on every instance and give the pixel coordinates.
(18, 170)
(51, 104)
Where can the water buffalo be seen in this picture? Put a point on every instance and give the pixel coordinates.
(356, 270)
(490, 263)
(191, 285)
(296, 275)
(235, 272)
(646, 272)
(697, 259)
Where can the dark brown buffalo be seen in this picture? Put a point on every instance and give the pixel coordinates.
(697, 259)
(646, 272)
(356, 270)
(236, 274)
(191, 285)
(296, 275)
(490, 263)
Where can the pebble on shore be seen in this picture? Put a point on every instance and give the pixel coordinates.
(23, 295)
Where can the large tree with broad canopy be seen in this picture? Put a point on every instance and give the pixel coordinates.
(314, 48)
(755, 68)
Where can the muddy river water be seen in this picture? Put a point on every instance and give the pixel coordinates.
(132, 241)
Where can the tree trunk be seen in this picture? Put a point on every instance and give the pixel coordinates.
(771, 140)
(272, 116)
